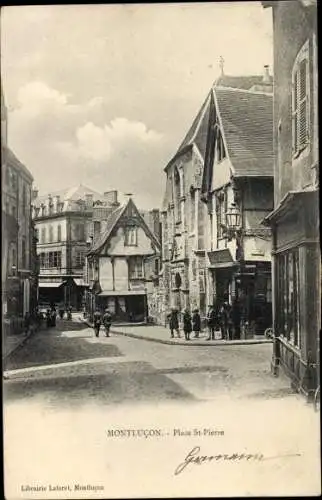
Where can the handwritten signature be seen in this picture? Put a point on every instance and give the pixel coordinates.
(194, 457)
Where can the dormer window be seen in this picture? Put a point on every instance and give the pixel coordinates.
(301, 101)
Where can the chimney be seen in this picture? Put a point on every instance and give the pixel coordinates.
(89, 200)
(34, 194)
(110, 197)
(266, 76)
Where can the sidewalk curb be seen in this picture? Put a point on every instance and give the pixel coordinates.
(193, 342)
(18, 345)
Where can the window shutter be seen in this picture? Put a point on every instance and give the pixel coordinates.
(302, 112)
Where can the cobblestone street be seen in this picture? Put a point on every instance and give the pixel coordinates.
(69, 362)
(72, 389)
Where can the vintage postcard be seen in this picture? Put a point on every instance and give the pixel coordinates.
(160, 250)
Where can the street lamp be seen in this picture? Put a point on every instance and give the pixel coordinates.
(233, 217)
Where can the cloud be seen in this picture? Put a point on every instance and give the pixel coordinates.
(53, 135)
(101, 142)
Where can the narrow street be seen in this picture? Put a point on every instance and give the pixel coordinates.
(68, 363)
(67, 392)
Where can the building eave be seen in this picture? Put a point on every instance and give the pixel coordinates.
(291, 198)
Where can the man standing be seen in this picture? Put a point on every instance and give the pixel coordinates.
(97, 322)
(174, 322)
(211, 322)
(187, 327)
(196, 323)
(107, 321)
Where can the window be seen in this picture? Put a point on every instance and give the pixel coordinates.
(43, 235)
(23, 253)
(80, 259)
(177, 195)
(59, 232)
(14, 181)
(97, 228)
(131, 236)
(49, 260)
(136, 267)
(51, 234)
(300, 101)
(24, 197)
(220, 152)
(288, 283)
(193, 209)
(221, 209)
(42, 260)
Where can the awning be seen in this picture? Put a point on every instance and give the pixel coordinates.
(121, 293)
(50, 284)
(80, 282)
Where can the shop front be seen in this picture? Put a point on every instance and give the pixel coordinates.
(125, 306)
(246, 285)
(296, 262)
(50, 292)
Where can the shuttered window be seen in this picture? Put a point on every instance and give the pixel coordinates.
(301, 102)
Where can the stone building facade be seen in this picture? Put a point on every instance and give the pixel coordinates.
(65, 225)
(182, 279)
(295, 219)
(17, 233)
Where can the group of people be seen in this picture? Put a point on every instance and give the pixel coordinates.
(190, 323)
(225, 318)
(99, 320)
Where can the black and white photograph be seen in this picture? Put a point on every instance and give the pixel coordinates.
(161, 264)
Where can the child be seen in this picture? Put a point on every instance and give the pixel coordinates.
(196, 323)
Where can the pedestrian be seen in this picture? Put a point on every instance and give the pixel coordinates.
(236, 317)
(27, 322)
(174, 322)
(61, 312)
(48, 318)
(196, 323)
(97, 322)
(187, 326)
(69, 312)
(53, 316)
(211, 322)
(107, 321)
(226, 320)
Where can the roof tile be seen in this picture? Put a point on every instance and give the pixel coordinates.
(247, 121)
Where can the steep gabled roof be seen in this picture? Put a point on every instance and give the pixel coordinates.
(197, 133)
(111, 223)
(247, 126)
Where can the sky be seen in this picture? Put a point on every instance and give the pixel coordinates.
(104, 94)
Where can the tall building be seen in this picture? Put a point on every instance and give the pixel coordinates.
(221, 133)
(238, 189)
(65, 221)
(295, 218)
(17, 231)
